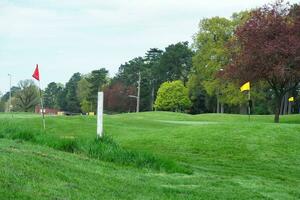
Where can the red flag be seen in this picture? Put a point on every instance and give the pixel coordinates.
(36, 73)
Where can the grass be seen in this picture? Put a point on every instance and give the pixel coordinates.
(104, 149)
(214, 157)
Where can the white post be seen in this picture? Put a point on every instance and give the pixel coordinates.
(100, 115)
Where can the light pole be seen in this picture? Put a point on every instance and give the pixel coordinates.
(219, 110)
(138, 94)
(9, 106)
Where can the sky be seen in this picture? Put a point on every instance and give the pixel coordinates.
(68, 36)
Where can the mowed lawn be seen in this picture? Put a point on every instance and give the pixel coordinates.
(229, 156)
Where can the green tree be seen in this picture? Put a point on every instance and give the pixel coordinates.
(175, 63)
(129, 75)
(172, 96)
(83, 91)
(210, 59)
(71, 102)
(97, 80)
(152, 60)
(197, 95)
(27, 97)
(51, 95)
(5, 98)
(2, 103)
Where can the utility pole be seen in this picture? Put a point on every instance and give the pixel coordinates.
(139, 94)
(152, 93)
(9, 106)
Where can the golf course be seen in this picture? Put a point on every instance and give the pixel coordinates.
(150, 155)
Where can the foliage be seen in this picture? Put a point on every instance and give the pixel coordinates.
(156, 67)
(69, 95)
(83, 92)
(197, 94)
(27, 97)
(97, 80)
(14, 90)
(172, 96)
(268, 50)
(152, 60)
(116, 98)
(175, 63)
(212, 56)
(51, 95)
(128, 75)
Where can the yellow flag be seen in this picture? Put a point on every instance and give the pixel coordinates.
(245, 87)
(291, 99)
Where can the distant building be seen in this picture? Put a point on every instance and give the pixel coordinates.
(47, 111)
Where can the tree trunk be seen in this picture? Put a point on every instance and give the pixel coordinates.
(152, 97)
(276, 119)
(278, 109)
(222, 108)
(243, 109)
(285, 104)
(290, 108)
(281, 106)
(218, 105)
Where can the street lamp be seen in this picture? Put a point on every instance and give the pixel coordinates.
(219, 110)
(9, 106)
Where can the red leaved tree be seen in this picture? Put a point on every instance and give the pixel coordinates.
(267, 48)
(116, 98)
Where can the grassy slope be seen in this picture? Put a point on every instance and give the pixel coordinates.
(230, 157)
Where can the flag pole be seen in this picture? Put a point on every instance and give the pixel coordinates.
(42, 105)
(249, 104)
(36, 76)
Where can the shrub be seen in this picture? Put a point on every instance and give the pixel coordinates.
(172, 96)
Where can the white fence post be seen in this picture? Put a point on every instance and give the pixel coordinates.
(100, 115)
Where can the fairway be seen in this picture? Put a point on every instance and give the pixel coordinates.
(217, 156)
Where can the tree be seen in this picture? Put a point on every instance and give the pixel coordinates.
(175, 63)
(268, 47)
(172, 96)
(27, 98)
(155, 68)
(71, 102)
(197, 94)
(129, 75)
(14, 90)
(97, 79)
(2, 103)
(152, 59)
(5, 98)
(51, 95)
(83, 91)
(210, 58)
(116, 98)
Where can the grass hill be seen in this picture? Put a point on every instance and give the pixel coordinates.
(153, 155)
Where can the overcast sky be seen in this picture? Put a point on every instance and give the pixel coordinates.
(68, 36)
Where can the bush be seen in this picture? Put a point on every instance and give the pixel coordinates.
(172, 96)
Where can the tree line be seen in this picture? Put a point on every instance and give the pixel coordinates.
(260, 45)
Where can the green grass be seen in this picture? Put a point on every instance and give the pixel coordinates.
(175, 156)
